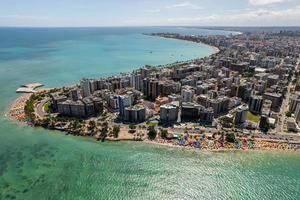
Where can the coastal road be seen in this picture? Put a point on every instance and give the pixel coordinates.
(285, 104)
(39, 109)
(283, 111)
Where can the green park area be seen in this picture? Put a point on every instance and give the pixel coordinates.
(47, 107)
(252, 117)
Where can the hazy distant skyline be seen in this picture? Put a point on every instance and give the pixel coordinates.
(75, 13)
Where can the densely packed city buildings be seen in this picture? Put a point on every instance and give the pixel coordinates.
(251, 83)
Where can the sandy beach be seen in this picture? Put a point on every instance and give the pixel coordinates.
(16, 113)
(216, 49)
(16, 109)
(260, 145)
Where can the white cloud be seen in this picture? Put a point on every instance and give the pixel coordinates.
(179, 5)
(288, 17)
(261, 17)
(264, 2)
(185, 4)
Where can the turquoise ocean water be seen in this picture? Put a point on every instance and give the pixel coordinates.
(39, 164)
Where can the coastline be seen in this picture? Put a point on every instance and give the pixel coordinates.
(9, 115)
(16, 112)
(189, 148)
(17, 106)
(215, 48)
(126, 136)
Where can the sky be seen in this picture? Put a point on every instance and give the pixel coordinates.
(81, 13)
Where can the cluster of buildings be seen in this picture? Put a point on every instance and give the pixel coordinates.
(74, 104)
(294, 109)
(251, 73)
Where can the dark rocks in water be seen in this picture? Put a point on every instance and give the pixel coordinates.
(5, 185)
(42, 155)
(46, 165)
(3, 165)
(48, 152)
(20, 164)
(25, 190)
(30, 181)
(8, 196)
(2, 170)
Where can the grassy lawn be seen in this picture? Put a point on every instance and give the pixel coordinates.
(152, 124)
(253, 118)
(47, 107)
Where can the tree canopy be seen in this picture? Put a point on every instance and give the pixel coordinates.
(230, 137)
(152, 133)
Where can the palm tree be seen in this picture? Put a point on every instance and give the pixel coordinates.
(163, 133)
(152, 133)
(116, 130)
(75, 126)
(104, 131)
(92, 127)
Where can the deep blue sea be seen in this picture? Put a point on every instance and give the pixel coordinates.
(40, 164)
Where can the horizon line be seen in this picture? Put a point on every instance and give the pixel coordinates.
(136, 26)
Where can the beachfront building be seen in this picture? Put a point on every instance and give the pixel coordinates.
(55, 99)
(169, 112)
(241, 114)
(190, 111)
(124, 101)
(193, 111)
(75, 106)
(85, 87)
(135, 114)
